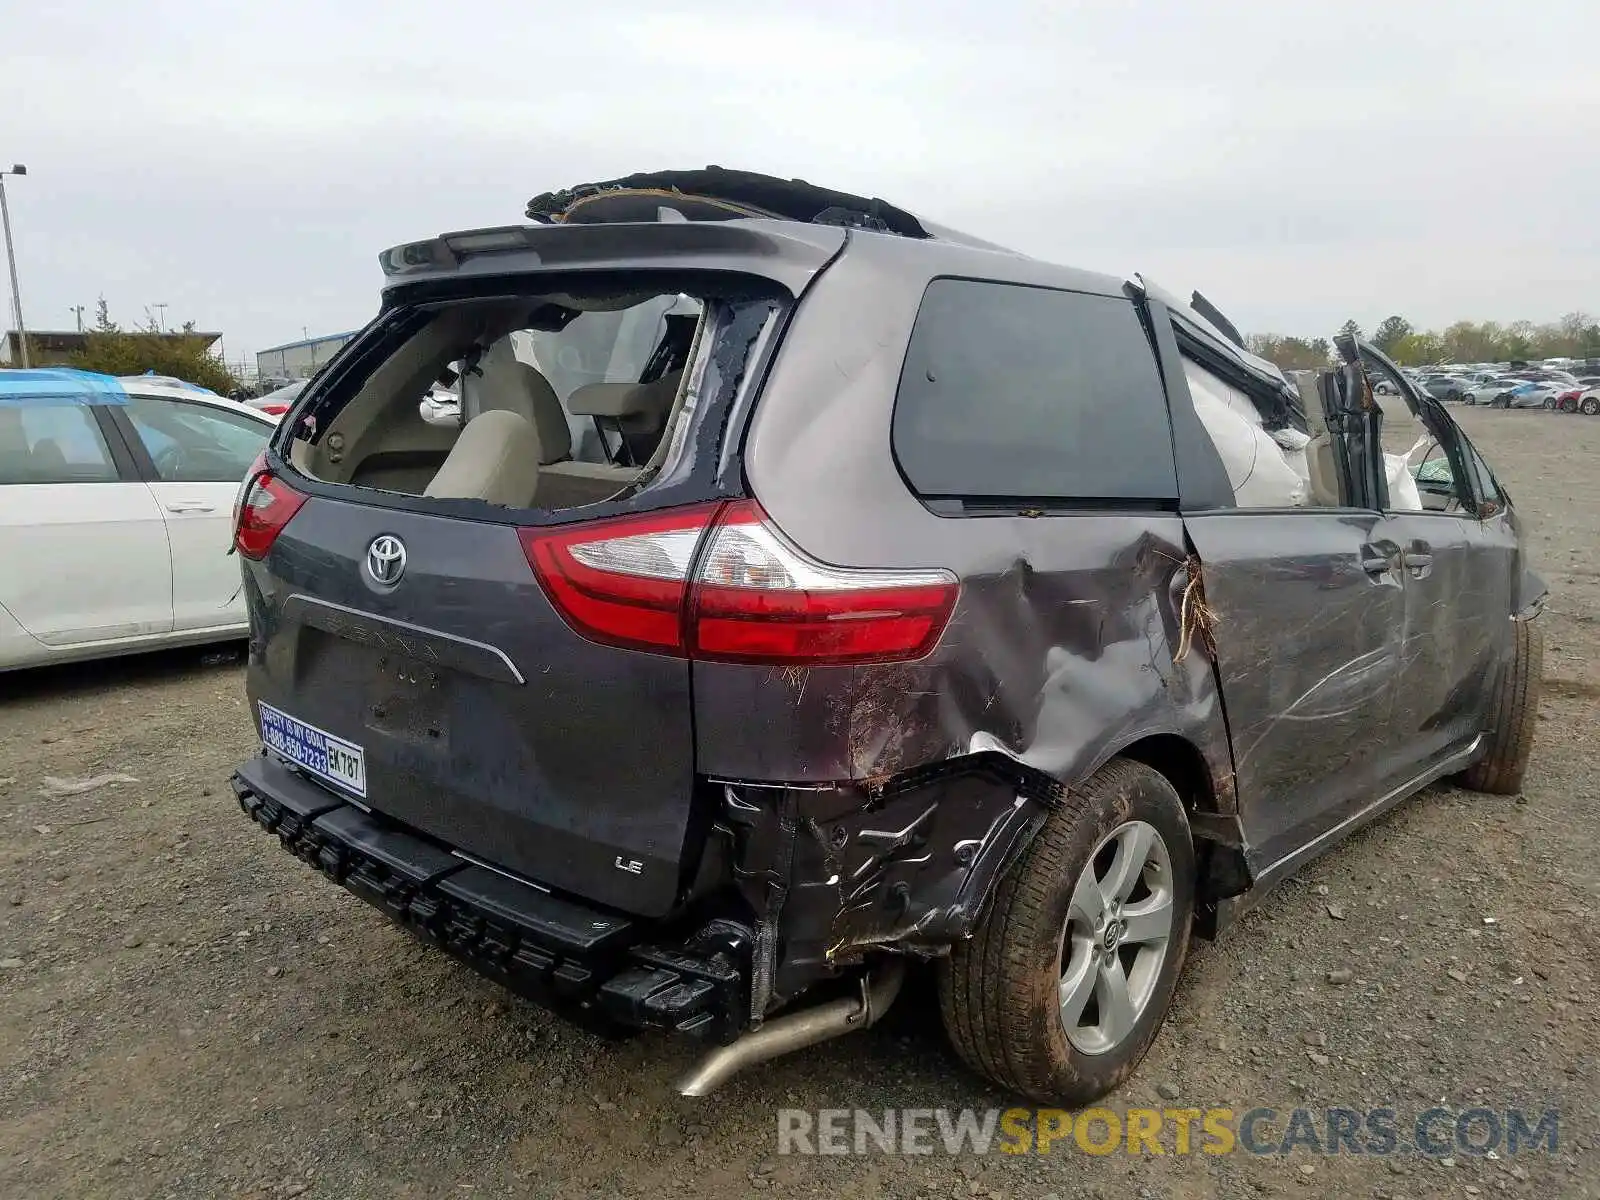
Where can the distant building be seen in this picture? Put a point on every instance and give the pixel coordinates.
(55, 347)
(300, 360)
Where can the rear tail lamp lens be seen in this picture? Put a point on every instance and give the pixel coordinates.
(621, 582)
(266, 504)
(758, 599)
(721, 583)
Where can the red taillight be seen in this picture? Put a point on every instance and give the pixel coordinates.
(265, 505)
(621, 582)
(758, 599)
(256, 468)
(275, 410)
(752, 598)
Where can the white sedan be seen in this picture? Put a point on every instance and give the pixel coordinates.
(116, 511)
(1489, 390)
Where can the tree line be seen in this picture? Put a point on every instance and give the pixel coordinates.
(1576, 335)
(112, 350)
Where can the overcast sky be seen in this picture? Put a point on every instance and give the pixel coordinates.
(1301, 162)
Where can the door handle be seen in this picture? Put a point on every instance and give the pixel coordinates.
(1418, 559)
(188, 506)
(1375, 561)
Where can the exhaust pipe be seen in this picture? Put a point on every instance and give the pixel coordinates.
(796, 1031)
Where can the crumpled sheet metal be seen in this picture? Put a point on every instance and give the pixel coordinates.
(915, 784)
(834, 872)
(1056, 658)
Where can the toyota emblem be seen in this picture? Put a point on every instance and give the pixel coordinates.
(386, 559)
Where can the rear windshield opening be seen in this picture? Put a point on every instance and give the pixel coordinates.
(549, 401)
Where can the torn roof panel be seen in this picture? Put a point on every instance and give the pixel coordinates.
(718, 194)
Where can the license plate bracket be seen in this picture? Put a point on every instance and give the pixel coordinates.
(409, 701)
(325, 755)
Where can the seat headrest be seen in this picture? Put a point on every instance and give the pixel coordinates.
(48, 458)
(495, 458)
(549, 418)
(506, 382)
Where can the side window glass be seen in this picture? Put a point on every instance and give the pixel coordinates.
(1013, 392)
(52, 444)
(195, 443)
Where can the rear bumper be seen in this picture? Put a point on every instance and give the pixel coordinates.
(552, 949)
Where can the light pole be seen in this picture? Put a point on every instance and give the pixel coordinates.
(11, 259)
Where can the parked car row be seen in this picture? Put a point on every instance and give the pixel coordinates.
(1578, 399)
(1508, 393)
(1523, 387)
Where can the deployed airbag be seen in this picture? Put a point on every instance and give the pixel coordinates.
(1264, 474)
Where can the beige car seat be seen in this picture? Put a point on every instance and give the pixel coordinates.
(496, 458)
(1322, 472)
(504, 383)
(638, 408)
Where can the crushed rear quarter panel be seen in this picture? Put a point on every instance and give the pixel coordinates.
(1060, 651)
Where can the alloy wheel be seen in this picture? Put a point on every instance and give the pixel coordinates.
(1117, 935)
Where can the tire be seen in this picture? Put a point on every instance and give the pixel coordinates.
(1589, 406)
(1550, 403)
(1512, 715)
(1000, 990)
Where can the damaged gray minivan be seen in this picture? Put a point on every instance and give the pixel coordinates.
(798, 588)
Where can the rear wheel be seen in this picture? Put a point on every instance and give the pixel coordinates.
(1589, 405)
(1066, 979)
(1512, 717)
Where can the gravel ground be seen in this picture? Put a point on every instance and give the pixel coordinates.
(186, 1011)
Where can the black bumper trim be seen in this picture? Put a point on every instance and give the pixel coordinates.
(548, 948)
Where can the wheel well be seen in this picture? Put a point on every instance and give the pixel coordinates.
(1220, 863)
(1183, 765)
